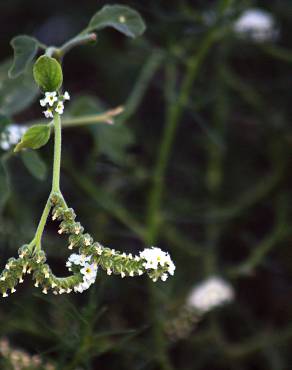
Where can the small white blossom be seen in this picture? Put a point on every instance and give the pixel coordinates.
(60, 107)
(89, 272)
(164, 277)
(48, 113)
(256, 24)
(43, 102)
(50, 98)
(77, 259)
(210, 293)
(66, 95)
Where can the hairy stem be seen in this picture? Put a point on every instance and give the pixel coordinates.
(55, 182)
(57, 154)
(76, 41)
(41, 225)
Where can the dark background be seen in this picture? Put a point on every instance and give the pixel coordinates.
(225, 206)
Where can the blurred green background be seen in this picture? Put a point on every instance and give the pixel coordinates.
(199, 165)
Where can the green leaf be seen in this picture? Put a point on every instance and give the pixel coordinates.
(48, 73)
(34, 138)
(122, 18)
(16, 94)
(34, 164)
(25, 49)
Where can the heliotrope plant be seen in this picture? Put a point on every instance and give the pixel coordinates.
(90, 256)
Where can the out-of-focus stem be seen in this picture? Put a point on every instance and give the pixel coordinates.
(174, 113)
(173, 117)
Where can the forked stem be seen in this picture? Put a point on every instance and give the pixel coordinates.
(36, 242)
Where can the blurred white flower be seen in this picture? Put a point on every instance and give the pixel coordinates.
(256, 24)
(209, 294)
(11, 136)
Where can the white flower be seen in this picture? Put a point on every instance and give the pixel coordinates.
(77, 259)
(66, 95)
(48, 113)
(60, 107)
(81, 287)
(11, 136)
(89, 272)
(164, 277)
(210, 293)
(257, 24)
(50, 98)
(43, 102)
(83, 259)
(155, 257)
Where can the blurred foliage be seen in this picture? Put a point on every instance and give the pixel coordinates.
(199, 164)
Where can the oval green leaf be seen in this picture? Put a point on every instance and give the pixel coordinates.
(34, 138)
(122, 18)
(25, 49)
(48, 73)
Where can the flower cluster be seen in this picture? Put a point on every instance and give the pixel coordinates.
(82, 264)
(209, 294)
(154, 258)
(256, 24)
(54, 103)
(21, 360)
(153, 261)
(11, 136)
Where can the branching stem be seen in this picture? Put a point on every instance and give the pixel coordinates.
(36, 242)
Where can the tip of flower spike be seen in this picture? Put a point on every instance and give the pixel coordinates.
(54, 103)
(158, 263)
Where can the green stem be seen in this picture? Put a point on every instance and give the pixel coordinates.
(41, 226)
(57, 154)
(55, 183)
(105, 117)
(76, 41)
(174, 112)
(174, 115)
